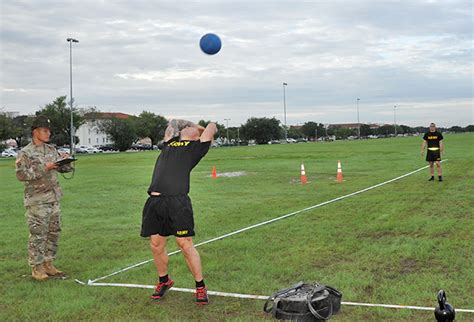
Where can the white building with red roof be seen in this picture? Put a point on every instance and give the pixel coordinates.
(90, 133)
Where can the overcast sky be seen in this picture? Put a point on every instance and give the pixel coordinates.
(144, 55)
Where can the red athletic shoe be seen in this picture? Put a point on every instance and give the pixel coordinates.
(201, 296)
(161, 289)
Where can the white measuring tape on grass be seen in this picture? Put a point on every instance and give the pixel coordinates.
(267, 222)
(263, 297)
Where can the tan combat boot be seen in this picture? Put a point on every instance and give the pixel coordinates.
(38, 273)
(50, 270)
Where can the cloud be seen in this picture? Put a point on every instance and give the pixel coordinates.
(145, 55)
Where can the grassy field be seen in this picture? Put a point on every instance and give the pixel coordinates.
(396, 244)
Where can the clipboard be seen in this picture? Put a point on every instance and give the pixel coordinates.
(62, 162)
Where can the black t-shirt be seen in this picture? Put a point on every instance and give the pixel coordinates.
(433, 139)
(174, 164)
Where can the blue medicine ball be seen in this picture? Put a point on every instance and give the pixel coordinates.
(210, 44)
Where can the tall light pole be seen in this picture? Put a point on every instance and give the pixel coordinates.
(70, 41)
(358, 121)
(284, 110)
(227, 127)
(395, 118)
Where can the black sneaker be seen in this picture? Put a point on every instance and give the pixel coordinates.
(161, 289)
(440, 179)
(201, 296)
(431, 179)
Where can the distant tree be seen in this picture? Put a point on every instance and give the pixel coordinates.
(203, 123)
(17, 128)
(365, 130)
(152, 126)
(343, 133)
(60, 116)
(469, 128)
(385, 130)
(221, 130)
(122, 131)
(261, 130)
(22, 129)
(235, 133)
(295, 132)
(420, 129)
(406, 129)
(6, 127)
(311, 129)
(331, 130)
(456, 129)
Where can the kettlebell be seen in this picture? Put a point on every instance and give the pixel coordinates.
(444, 312)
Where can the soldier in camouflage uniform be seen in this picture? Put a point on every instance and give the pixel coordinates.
(35, 166)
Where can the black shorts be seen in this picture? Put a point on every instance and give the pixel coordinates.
(168, 215)
(433, 155)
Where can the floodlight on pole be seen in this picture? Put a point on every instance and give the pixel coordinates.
(238, 136)
(70, 41)
(284, 110)
(227, 127)
(358, 121)
(395, 118)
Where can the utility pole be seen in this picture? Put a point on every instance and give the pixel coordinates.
(238, 136)
(284, 111)
(358, 121)
(395, 118)
(227, 127)
(71, 40)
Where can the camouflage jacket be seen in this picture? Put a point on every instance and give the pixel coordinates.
(41, 186)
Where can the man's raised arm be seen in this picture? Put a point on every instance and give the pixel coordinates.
(208, 133)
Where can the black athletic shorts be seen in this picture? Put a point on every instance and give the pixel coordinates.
(168, 215)
(433, 155)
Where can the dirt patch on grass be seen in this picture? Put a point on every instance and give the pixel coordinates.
(232, 174)
(408, 266)
(298, 180)
(369, 290)
(378, 234)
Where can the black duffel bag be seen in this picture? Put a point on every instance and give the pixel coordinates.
(304, 303)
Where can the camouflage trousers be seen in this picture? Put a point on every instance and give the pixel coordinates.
(44, 223)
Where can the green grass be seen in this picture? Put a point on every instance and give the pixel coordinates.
(397, 244)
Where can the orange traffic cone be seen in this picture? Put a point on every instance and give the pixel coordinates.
(339, 172)
(304, 180)
(214, 173)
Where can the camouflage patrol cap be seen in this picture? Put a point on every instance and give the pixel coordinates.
(40, 121)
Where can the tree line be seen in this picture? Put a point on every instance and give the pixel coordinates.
(125, 132)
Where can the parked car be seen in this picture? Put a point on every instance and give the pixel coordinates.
(9, 153)
(141, 147)
(80, 149)
(64, 150)
(274, 142)
(107, 148)
(91, 149)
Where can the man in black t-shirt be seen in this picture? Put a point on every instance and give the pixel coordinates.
(434, 140)
(168, 211)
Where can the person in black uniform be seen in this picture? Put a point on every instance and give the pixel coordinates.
(434, 140)
(168, 210)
